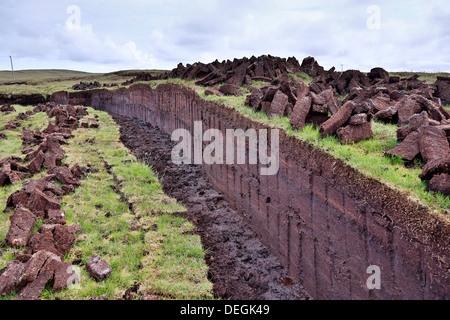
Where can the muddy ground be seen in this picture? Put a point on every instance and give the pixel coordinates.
(240, 266)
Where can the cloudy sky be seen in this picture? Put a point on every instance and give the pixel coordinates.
(108, 35)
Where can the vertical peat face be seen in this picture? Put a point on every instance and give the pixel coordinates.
(326, 223)
(23, 99)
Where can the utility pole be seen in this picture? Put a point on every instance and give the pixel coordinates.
(12, 68)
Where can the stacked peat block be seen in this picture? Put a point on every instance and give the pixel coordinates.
(89, 123)
(24, 116)
(31, 273)
(276, 99)
(341, 83)
(424, 131)
(313, 108)
(211, 92)
(285, 97)
(98, 268)
(350, 123)
(11, 125)
(443, 89)
(426, 136)
(237, 72)
(15, 123)
(45, 249)
(144, 76)
(49, 153)
(94, 85)
(86, 85)
(41, 262)
(415, 106)
(11, 172)
(7, 109)
(229, 90)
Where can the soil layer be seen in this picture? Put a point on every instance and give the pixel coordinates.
(241, 267)
(326, 222)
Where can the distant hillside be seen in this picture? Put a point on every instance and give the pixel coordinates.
(58, 75)
(51, 80)
(39, 75)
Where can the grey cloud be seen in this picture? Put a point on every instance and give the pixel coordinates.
(162, 33)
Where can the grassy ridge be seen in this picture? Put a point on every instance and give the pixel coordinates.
(366, 156)
(127, 219)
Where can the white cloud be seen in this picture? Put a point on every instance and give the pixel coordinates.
(81, 44)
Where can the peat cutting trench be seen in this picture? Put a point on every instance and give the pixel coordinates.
(323, 221)
(240, 266)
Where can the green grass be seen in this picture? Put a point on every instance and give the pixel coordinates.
(174, 267)
(302, 77)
